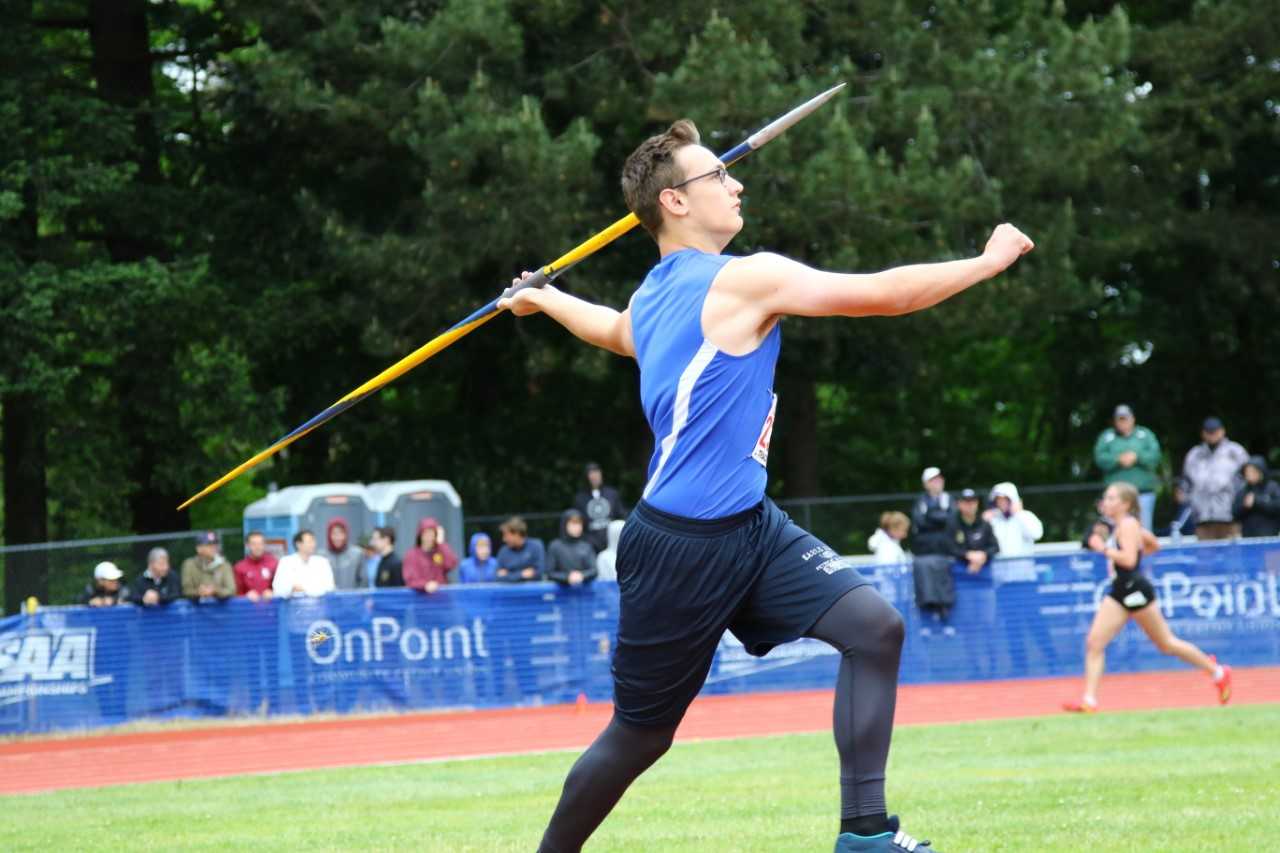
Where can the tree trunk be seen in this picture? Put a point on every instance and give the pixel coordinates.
(26, 517)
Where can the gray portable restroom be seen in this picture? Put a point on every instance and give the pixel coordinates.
(402, 504)
(283, 513)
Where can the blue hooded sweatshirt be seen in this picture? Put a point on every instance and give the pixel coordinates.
(472, 570)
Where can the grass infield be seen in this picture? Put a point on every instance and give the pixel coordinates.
(1203, 779)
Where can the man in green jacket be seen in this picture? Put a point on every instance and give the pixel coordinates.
(1129, 453)
(207, 575)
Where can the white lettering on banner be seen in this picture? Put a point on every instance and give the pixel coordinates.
(326, 642)
(1210, 596)
(48, 663)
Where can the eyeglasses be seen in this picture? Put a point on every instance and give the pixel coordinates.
(720, 172)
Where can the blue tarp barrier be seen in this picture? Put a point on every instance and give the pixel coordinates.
(501, 645)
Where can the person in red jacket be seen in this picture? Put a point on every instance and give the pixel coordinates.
(428, 563)
(256, 571)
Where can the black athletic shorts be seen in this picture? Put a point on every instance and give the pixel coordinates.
(684, 581)
(1132, 590)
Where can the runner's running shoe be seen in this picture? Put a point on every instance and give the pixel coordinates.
(1080, 707)
(893, 841)
(1223, 684)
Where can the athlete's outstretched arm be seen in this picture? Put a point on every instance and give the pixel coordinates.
(598, 325)
(780, 286)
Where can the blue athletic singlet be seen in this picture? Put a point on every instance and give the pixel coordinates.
(711, 413)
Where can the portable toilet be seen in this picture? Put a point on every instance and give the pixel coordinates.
(281, 514)
(401, 504)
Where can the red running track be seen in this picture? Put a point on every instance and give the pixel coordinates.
(47, 764)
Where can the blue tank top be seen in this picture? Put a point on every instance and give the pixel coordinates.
(711, 413)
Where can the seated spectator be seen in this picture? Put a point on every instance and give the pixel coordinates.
(389, 571)
(480, 566)
(106, 589)
(207, 575)
(886, 542)
(521, 557)
(256, 571)
(428, 563)
(973, 542)
(346, 560)
(1257, 505)
(156, 585)
(607, 560)
(304, 572)
(571, 560)
(1184, 514)
(1017, 529)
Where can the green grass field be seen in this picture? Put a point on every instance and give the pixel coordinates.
(1169, 781)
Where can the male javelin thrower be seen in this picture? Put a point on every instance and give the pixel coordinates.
(705, 549)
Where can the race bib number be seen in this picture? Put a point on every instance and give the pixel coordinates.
(761, 451)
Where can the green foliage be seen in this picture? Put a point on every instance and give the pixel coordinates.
(314, 190)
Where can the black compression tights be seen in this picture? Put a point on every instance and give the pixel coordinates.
(866, 631)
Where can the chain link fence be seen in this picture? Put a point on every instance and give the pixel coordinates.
(843, 522)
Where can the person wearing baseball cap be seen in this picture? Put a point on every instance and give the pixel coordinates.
(930, 515)
(1213, 469)
(207, 575)
(1128, 453)
(107, 588)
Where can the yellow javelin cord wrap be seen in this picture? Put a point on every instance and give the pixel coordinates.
(593, 244)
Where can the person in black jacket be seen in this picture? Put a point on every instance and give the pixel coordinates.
(973, 542)
(930, 514)
(158, 584)
(599, 504)
(570, 559)
(106, 589)
(1257, 504)
(390, 570)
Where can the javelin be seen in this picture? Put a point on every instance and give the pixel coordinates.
(483, 315)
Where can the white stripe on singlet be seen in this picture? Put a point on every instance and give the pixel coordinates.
(680, 411)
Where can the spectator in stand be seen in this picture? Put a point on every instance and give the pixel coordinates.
(207, 575)
(369, 559)
(522, 557)
(973, 542)
(106, 589)
(571, 560)
(607, 560)
(599, 504)
(157, 584)
(1257, 505)
(427, 565)
(347, 561)
(1101, 526)
(1016, 528)
(1128, 453)
(930, 515)
(1184, 518)
(389, 571)
(1213, 470)
(886, 542)
(304, 572)
(480, 566)
(256, 571)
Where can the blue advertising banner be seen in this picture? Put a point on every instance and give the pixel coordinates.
(503, 645)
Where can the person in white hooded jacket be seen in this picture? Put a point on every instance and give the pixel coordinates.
(607, 560)
(1017, 529)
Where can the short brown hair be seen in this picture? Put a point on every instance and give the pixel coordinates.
(652, 168)
(515, 524)
(890, 521)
